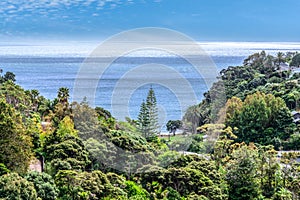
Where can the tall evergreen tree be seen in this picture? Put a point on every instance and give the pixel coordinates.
(148, 116)
(153, 112)
(143, 120)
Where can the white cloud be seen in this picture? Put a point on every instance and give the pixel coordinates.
(36, 6)
(39, 6)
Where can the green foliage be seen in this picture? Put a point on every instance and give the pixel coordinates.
(260, 118)
(179, 142)
(102, 152)
(89, 185)
(283, 194)
(260, 72)
(44, 185)
(107, 121)
(86, 121)
(167, 158)
(186, 175)
(293, 142)
(260, 95)
(222, 146)
(15, 96)
(172, 194)
(35, 130)
(295, 60)
(66, 127)
(8, 76)
(135, 191)
(194, 117)
(15, 144)
(148, 116)
(128, 126)
(211, 132)
(69, 153)
(14, 187)
(62, 107)
(242, 175)
(128, 141)
(3, 169)
(173, 125)
(197, 144)
(67, 182)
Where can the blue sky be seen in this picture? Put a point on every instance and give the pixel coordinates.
(204, 20)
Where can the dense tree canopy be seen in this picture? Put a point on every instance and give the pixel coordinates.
(15, 143)
(260, 118)
(14, 187)
(296, 60)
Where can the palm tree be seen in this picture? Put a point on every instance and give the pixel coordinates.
(280, 59)
(34, 94)
(194, 116)
(63, 95)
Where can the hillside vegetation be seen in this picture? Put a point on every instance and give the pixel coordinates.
(229, 150)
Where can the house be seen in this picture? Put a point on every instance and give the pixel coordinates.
(296, 117)
(284, 67)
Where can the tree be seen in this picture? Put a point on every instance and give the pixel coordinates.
(296, 60)
(86, 121)
(144, 120)
(14, 187)
(260, 118)
(15, 143)
(280, 58)
(187, 174)
(148, 116)
(8, 76)
(66, 127)
(242, 174)
(43, 184)
(85, 185)
(64, 150)
(107, 121)
(173, 125)
(268, 170)
(194, 118)
(16, 96)
(69, 153)
(103, 153)
(135, 191)
(62, 106)
(35, 100)
(153, 112)
(63, 95)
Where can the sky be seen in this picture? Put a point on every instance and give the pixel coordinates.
(203, 20)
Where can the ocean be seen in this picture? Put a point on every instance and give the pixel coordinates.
(124, 84)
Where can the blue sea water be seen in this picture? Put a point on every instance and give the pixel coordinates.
(48, 72)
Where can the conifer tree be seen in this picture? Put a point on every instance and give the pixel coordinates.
(143, 120)
(148, 116)
(153, 112)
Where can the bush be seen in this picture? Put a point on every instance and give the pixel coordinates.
(14, 187)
